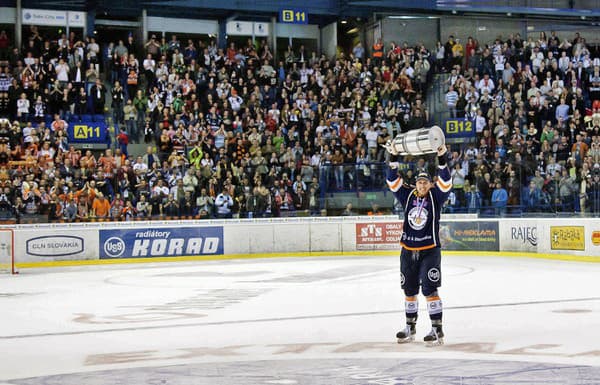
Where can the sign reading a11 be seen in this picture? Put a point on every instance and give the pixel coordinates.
(293, 16)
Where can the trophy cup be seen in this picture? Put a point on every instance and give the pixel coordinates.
(416, 142)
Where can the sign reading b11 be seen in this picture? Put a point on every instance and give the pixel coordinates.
(293, 16)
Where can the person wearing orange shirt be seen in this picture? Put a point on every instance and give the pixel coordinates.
(100, 207)
(378, 52)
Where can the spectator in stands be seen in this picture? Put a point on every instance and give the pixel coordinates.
(358, 51)
(100, 207)
(451, 100)
(171, 207)
(499, 199)
(98, 93)
(4, 45)
(567, 191)
(205, 109)
(224, 203)
(348, 210)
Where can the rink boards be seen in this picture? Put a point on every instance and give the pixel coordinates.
(39, 245)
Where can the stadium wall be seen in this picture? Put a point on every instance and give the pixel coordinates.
(59, 244)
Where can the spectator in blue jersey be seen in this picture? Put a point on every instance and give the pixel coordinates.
(499, 199)
(562, 111)
(420, 259)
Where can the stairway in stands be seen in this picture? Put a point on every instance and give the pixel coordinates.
(436, 95)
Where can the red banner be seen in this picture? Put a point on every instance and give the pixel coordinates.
(378, 235)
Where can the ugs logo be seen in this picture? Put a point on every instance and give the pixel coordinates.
(114, 247)
(433, 274)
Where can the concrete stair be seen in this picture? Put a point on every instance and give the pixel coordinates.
(436, 99)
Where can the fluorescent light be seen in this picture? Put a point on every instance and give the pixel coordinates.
(405, 17)
(344, 21)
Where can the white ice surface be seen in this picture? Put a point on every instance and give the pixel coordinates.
(71, 320)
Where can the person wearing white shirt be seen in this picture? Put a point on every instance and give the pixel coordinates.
(275, 113)
(223, 203)
(371, 137)
(480, 122)
(321, 127)
(536, 59)
(315, 160)
(149, 68)
(235, 101)
(563, 62)
(23, 108)
(93, 48)
(486, 84)
(27, 130)
(62, 71)
(140, 167)
(499, 61)
(303, 74)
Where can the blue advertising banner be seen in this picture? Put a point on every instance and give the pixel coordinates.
(293, 16)
(87, 132)
(459, 128)
(161, 242)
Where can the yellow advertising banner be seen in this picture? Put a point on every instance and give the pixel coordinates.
(567, 237)
(596, 238)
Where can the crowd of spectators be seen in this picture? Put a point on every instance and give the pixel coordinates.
(535, 107)
(230, 132)
(238, 132)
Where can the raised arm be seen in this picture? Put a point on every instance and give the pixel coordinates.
(444, 180)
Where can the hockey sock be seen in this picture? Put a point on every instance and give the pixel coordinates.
(434, 307)
(411, 307)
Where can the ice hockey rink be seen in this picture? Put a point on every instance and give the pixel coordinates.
(312, 320)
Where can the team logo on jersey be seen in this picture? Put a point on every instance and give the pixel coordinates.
(433, 274)
(417, 217)
(402, 279)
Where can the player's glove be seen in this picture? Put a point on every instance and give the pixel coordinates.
(442, 150)
(390, 147)
(441, 153)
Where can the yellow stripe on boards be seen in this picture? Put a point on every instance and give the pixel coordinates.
(361, 253)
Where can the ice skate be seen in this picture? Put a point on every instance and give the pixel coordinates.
(435, 337)
(407, 334)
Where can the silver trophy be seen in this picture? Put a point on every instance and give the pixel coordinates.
(417, 142)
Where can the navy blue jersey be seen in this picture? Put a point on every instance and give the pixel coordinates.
(421, 227)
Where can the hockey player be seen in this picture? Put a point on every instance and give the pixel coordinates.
(420, 259)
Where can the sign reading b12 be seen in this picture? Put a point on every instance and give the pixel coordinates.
(293, 16)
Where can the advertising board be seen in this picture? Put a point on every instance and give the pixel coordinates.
(466, 236)
(567, 238)
(519, 235)
(160, 242)
(378, 235)
(56, 245)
